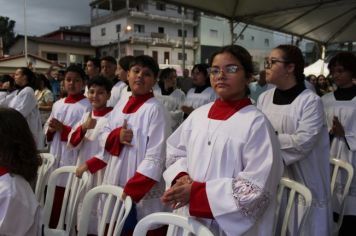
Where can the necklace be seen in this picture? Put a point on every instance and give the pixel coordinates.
(219, 112)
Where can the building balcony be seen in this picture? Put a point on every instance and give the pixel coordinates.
(159, 39)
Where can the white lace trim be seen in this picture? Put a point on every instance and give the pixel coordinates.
(171, 160)
(251, 199)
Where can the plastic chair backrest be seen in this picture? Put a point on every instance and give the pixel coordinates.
(337, 165)
(294, 188)
(118, 214)
(187, 223)
(42, 176)
(73, 189)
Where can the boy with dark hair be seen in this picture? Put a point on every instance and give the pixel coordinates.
(108, 68)
(135, 138)
(84, 137)
(66, 112)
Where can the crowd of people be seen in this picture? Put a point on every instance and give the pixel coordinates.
(213, 146)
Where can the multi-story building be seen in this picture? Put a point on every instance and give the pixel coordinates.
(135, 27)
(67, 45)
(214, 32)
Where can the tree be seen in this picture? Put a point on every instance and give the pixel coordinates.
(7, 32)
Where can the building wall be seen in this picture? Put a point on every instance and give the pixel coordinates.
(19, 45)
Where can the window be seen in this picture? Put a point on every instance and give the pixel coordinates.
(139, 28)
(118, 28)
(155, 55)
(252, 38)
(242, 37)
(138, 53)
(103, 33)
(213, 33)
(52, 56)
(160, 6)
(166, 57)
(180, 10)
(116, 53)
(267, 42)
(180, 56)
(160, 30)
(180, 33)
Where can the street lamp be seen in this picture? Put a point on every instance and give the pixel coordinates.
(127, 29)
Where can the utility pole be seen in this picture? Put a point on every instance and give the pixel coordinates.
(118, 46)
(25, 32)
(183, 41)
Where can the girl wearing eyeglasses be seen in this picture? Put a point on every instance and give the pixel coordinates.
(297, 116)
(223, 162)
(340, 109)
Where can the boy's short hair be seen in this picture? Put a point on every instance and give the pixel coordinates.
(76, 69)
(109, 59)
(125, 61)
(146, 61)
(96, 61)
(102, 82)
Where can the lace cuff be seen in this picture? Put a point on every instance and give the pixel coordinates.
(250, 199)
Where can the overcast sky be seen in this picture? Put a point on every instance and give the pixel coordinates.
(44, 16)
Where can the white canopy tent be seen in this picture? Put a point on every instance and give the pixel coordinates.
(317, 68)
(323, 21)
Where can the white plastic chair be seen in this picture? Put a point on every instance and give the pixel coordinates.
(118, 214)
(187, 223)
(337, 165)
(42, 176)
(294, 188)
(73, 189)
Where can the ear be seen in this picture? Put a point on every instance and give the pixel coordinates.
(290, 67)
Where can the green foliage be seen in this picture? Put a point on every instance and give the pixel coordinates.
(7, 32)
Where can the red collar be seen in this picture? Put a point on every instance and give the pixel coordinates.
(74, 98)
(102, 112)
(3, 171)
(134, 103)
(221, 110)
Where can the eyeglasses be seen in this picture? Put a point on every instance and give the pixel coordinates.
(268, 63)
(228, 70)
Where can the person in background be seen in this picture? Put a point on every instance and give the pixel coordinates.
(108, 68)
(23, 100)
(170, 96)
(66, 112)
(7, 88)
(217, 174)
(135, 137)
(44, 97)
(297, 115)
(340, 109)
(201, 93)
(121, 86)
(92, 67)
(259, 86)
(20, 213)
(323, 86)
(185, 82)
(52, 76)
(312, 79)
(85, 136)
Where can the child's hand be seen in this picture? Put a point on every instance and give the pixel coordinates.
(337, 128)
(55, 125)
(177, 196)
(126, 135)
(80, 170)
(90, 123)
(187, 109)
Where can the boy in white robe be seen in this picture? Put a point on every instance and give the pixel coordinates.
(340, 111)
(223, 161)
(134, 138)
(297, 116)
(66, 112)
(85, 135)
(20, 213)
